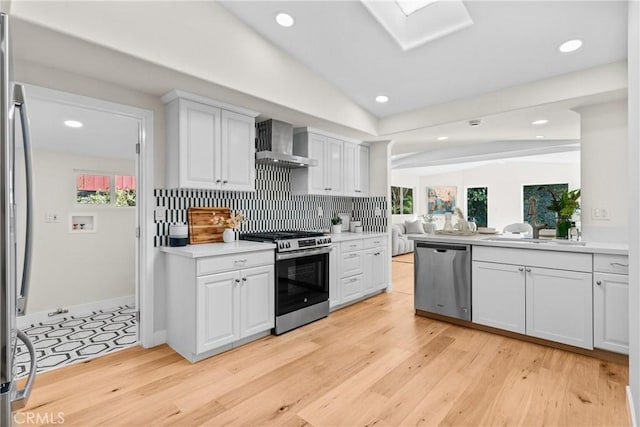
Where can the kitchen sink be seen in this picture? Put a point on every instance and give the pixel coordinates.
(535, 241)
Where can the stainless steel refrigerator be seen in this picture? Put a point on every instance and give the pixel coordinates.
(15, 232)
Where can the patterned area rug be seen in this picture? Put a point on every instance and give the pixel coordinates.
(67, 340)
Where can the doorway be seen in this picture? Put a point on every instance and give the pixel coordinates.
(90, 188)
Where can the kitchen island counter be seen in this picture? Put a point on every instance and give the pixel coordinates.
(518, 243)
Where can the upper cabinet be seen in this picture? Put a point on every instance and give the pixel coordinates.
(210, 145)
(343, 167)
(356, 170)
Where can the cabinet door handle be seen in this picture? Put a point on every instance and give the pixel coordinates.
(528, 270)
(352, 255)
(225, 181)
(618, 264)
(377, 242)
(520, 268)
(353, 246)
(218, 181)
(355, 279)
(599, 282)
(237, 280)
(244, 279)
(240, 261)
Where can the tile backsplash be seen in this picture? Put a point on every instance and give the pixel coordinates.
(271, 207)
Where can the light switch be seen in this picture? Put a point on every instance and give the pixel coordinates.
(160, 214)
(51, 217)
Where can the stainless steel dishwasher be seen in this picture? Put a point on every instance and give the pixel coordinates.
(443, 279)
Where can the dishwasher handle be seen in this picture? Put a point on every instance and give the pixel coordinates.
(443, 248)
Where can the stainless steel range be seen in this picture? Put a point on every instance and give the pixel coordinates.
(302, 276)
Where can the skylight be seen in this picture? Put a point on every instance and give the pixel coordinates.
(410, 6)
(411, 23)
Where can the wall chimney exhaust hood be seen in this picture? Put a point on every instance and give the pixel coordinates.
(274, 145)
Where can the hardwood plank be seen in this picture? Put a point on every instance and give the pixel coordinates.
(373, 363)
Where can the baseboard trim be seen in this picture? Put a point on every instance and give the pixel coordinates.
(159, 337)
(631, 407)
(74, 310)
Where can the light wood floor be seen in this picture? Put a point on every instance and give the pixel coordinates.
(373, 363)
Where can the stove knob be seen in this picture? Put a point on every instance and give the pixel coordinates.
(281, 245)
(328, 239)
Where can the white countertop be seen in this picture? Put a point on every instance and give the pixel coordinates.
(213, 249)
(346, 236)
(553, 245)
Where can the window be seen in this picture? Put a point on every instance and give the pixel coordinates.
(125, 190)
(93, 189)
(105, 189)
(477, 200)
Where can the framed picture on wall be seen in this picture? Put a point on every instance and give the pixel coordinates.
(441, 199)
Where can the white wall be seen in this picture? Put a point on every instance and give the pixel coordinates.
(72, 269)
(401, 179)
(634, 208)
(605, 177)
(505, 181)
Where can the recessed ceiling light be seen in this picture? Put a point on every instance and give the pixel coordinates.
(539, 136)
(540, 122)
(570, 46)
(284, 19)
(73, 123)
(382, 99)
(442, 138)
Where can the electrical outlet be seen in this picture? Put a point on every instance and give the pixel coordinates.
(160, 214)
(378, 211)
(51, 217)
(320, 212)
(601, 214)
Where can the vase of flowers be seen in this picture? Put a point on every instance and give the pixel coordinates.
(564, 205)
(230, 224)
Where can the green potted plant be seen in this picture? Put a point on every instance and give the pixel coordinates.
(336, 224)
(564, 205)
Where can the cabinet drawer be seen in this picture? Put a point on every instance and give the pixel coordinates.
(535, 258)
(351, 264)
(351, 245)
(611, 263)
(217, 264)
(375, 242)
(351, 288)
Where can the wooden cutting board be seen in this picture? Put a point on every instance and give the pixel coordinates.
(201, 228)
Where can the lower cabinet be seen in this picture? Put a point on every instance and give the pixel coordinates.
(358, 268)
(550, 303)
(611, 312)
(498, 296)
(233, 305)
(215, 311)
(375, 270)
(560, 306)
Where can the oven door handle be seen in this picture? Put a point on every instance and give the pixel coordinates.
(303, 253)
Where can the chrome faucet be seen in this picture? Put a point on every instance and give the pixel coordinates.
(533, 215)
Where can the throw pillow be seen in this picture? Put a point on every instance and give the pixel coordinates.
(414, 227)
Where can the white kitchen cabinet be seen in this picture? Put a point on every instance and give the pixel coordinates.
(216, 311)
(356, 170)
(375, 270)
(257, 300)
(210, 145)
(498, 297)
(611, 312)
(335, 295)
(557, 301)
(560, 306)
(217, 302)
(327, 177)
(238, 167)
(611, 303)
(359, 269)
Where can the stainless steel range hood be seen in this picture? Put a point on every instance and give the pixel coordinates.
(274, 144)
